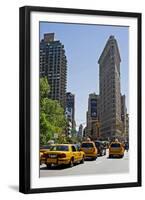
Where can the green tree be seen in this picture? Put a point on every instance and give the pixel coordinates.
(44, 88)
(46, 129)
(52, 117)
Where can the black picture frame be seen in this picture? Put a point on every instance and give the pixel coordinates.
(25, 95)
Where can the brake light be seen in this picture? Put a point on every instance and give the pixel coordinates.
(62, 155)
(93, 149)
(45, 155)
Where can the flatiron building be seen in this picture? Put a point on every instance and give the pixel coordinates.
(110, 92)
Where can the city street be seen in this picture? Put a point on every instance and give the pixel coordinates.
(102, 165)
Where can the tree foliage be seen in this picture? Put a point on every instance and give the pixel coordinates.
(52, 118)
(44, 88)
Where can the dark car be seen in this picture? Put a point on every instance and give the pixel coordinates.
(126, 146)
(101, 148)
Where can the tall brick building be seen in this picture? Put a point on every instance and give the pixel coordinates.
(53, 65)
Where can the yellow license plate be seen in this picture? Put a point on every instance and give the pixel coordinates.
(52, 160)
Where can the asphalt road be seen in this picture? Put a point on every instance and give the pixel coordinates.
(102, 165)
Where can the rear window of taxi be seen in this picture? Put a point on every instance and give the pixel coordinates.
(59, 148)
(45, 147)
(87, 145)
(115, 145)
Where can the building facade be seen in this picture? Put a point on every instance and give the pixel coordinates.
(127, 127)
(110, 95)
(53, 65)
(93, 116)
(70, 107)
(123, 115)
(80, 132)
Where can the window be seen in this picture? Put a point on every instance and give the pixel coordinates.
(87, 145)
(59, 148)
(73, 148)
(115, 145)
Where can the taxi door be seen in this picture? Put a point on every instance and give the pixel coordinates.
(75, 153)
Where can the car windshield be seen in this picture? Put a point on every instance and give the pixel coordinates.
(87, 145)
(59, 148)
(115, 145)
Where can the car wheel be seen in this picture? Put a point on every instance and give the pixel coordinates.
(48, 166)
(103, 154)
(82, 161)
(110, 156)
(95, 158)
(71, 164)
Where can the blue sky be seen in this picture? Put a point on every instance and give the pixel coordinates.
(83, 45)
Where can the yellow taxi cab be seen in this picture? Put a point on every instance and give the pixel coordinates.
(43, 149)
(59, 154)
(116, 149)
(41, 154)
(89, 148)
